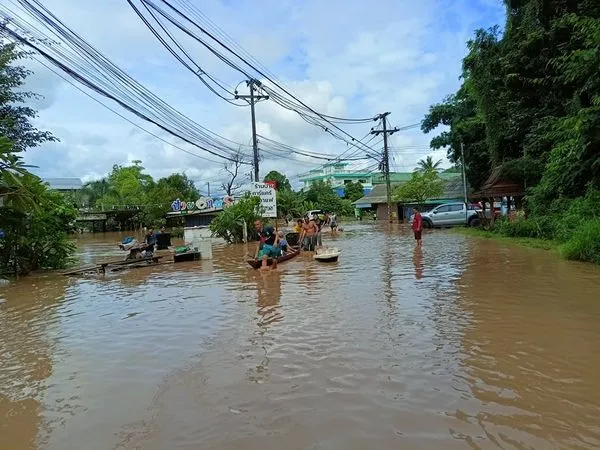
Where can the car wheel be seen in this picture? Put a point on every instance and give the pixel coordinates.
(427, 224)
(474, 222)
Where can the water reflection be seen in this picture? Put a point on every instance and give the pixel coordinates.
(417, 261)
(28, 316)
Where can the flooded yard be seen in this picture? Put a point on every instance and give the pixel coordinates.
(467, 344)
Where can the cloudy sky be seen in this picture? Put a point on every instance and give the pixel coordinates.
(344, 58)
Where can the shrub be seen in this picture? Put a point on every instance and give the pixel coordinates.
(584, 243)
(229, 224)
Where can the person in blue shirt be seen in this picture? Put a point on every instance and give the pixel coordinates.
(267, 247)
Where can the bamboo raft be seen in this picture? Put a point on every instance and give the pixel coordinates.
(114, 266)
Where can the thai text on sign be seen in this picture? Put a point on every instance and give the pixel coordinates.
(268, 198)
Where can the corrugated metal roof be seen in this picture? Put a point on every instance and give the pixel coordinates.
(64, 184)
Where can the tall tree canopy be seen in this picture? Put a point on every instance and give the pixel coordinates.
(281, 181)
(530, 99)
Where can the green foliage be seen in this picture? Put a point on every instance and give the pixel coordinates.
(36, 232)
(33, 219)
(530, 104)
(229, 224)
(289, 203)
(354, 191)
(15, 116)
(428, 166)
(320, 195)
(584, 244)
(421, 186)
(281, 181)
(574, 223)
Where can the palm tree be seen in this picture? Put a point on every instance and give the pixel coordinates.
(428, 166)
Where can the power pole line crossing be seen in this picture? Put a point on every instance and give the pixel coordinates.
(386, 158)
(252, 99)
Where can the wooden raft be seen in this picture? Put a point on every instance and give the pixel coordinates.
(113, 266)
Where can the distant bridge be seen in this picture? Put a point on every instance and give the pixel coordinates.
(94, 217)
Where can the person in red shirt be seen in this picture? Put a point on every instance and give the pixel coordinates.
(417, 226)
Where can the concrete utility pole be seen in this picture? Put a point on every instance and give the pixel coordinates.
(252, 99)
(208, 188)
(386, 158)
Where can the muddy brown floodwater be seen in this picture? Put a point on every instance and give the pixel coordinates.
(467, 344)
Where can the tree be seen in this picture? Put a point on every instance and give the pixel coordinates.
(320, 195)
(232, 169)
(428, 166)
(289, 203)
(229, 224)
(15, 115)
(281, 181)
(353, 191)
(34, 221)
(421, 187)
(127, 187)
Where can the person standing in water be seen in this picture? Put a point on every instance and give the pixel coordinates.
(417, 226)
(267, 245)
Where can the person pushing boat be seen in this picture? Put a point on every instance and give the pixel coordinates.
(267, 245)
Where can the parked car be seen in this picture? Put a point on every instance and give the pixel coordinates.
(312, 212)
(451, 214)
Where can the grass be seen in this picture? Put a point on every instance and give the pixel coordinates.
(522, 241)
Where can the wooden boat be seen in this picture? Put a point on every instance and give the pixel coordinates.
(327, 255)
(256, 263)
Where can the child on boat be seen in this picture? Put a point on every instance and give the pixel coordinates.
(283, 245)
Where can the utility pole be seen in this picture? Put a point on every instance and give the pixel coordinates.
(252, 99)
(208, 188)
(464, 177)
(386, 158)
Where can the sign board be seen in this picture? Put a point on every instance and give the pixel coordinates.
(273, 184)
(268, 198)
(202, 204)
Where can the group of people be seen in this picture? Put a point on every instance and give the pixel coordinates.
(311, 228)
(272, 243)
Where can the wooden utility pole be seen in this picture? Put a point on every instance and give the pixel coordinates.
(386, 158)
(252, 99)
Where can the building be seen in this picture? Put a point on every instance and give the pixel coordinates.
(376, 199)
(65, 185)
(338, 175)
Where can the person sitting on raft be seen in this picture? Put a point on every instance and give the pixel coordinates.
(267, 247)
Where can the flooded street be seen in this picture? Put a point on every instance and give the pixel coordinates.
(467, 344)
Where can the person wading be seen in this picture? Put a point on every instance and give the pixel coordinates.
(417, 226)
(309, 231)
(267, 245)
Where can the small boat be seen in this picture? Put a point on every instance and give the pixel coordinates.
(186, 253)
(256, 263)
(327, 255)
(192, 255)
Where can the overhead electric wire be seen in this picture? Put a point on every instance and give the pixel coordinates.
(199, 71)
(65, 79)
(102, 79)
(245, 61)
(194, 11)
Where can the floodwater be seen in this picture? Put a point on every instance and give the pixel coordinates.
(467, 344)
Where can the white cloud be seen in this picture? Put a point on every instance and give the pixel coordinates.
(344, 58)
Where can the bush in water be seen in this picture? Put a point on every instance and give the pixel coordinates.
(229, 224)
